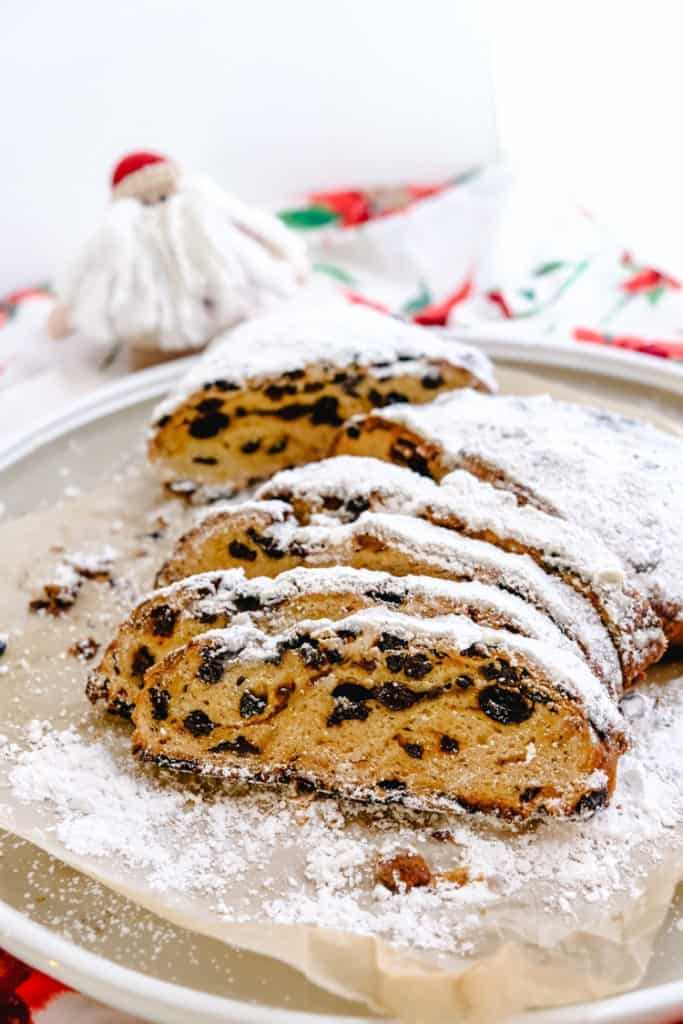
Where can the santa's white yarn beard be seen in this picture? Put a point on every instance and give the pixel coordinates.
(173, 274)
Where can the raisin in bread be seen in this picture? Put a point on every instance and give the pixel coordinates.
(387, 707)
(618, 477)
(344, 487)
(275, 390)
(396, 544)
(170, 617)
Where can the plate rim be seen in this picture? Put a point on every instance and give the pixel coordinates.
(619, 364)
(105, 980)
(109, 982)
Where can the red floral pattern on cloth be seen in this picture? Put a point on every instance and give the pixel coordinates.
(349, 208)
(24, 991)
(29, 997)
(537, 293)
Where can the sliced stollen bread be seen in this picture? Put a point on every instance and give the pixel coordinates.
(273, 392)
(342, 488)
(387, 707)
(173, 615)
(396, 544)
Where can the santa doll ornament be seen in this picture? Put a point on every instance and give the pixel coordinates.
(176, 261)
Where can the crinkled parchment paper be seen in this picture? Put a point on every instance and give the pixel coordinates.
(553, 913)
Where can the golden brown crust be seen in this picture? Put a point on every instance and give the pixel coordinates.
(373, 715)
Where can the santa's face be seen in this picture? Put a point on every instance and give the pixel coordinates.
(151, 184)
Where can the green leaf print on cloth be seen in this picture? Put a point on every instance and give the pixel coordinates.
(423, 299)
(308, 217)
(338, 273)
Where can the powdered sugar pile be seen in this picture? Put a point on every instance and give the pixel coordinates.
(78, 565)
(91, 562)
(254, 855)
(66, 576)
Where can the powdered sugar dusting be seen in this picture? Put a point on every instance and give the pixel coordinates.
(479, 508)
(231, 588)
(445, 552)
(332, 334)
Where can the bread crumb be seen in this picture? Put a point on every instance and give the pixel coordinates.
(458, 876)
(403, 872)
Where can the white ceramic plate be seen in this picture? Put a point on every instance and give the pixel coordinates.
(596, 360)
(166, 974)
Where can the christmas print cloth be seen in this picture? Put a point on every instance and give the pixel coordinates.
(29, 997)
(494, 255)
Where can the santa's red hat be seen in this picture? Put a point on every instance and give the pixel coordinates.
(135, 162)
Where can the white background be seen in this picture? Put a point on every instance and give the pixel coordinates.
(269, 96)
(272, 96)
(593, 91)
